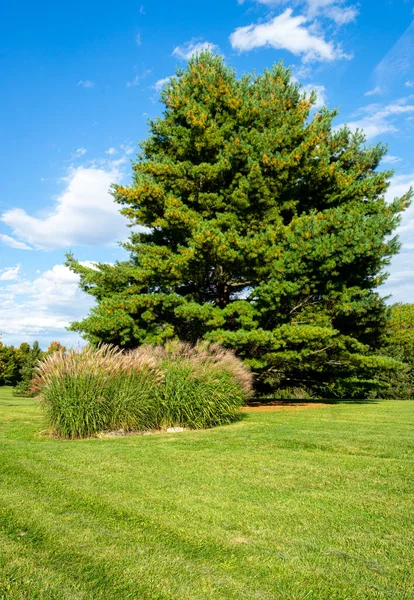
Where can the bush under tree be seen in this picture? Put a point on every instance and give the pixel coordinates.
(266, 230)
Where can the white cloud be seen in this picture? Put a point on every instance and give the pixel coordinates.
(80, 152)
(376, 119)
(400, 184)
(341, 14)
(84, 214)
(9, 241)
(401, 281)
(138, 40)
(42, 308)
(303, 71)
(374, 92)
(320, 94)
(189, 49)
(10, 273)
(111, 151)
(86, 84)
(409, 84)
(400, 276)
(289, 33)
(158, 85)
(128, 148)
(389, 159)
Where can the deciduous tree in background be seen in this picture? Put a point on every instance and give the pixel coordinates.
(55, 347)
(267, 231)
(399, 344)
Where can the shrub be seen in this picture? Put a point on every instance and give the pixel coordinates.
(104, 389)
(293, 393)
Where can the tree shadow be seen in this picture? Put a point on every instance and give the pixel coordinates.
(265, 401)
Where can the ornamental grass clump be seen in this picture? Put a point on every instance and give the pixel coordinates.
(95, 389)
(203, 386)
(88, 391)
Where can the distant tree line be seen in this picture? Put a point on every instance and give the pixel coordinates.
(17, 364)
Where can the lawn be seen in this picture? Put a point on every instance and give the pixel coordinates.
(295, 504)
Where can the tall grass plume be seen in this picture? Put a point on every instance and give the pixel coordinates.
(84, 392)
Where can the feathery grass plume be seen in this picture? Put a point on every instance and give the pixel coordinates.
(93, 389)
(204, 385)
(75, 392)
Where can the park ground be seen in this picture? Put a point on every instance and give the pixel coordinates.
(285, 504)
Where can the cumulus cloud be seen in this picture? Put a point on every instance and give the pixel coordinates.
(84, 214)
(43, 307)
(401, 281)
(80, 152)
(195, 46)
(9, 241)
(287, 32)
(10, 273)
(86, 84)
(376, 119)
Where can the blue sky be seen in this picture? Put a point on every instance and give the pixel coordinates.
(79, 82)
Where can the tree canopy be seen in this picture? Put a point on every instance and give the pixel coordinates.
(262, 227)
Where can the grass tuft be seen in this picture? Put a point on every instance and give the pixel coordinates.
(84, 392)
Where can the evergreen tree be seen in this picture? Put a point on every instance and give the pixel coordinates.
(24, 348)
(30, 362)
(10, 365)
(266, 230)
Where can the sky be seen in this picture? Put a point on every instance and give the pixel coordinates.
(80, 80)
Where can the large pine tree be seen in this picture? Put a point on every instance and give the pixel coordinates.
(267, 230)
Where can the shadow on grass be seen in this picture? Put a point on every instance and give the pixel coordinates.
(264, 401)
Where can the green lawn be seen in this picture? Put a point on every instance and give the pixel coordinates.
(312, 504)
